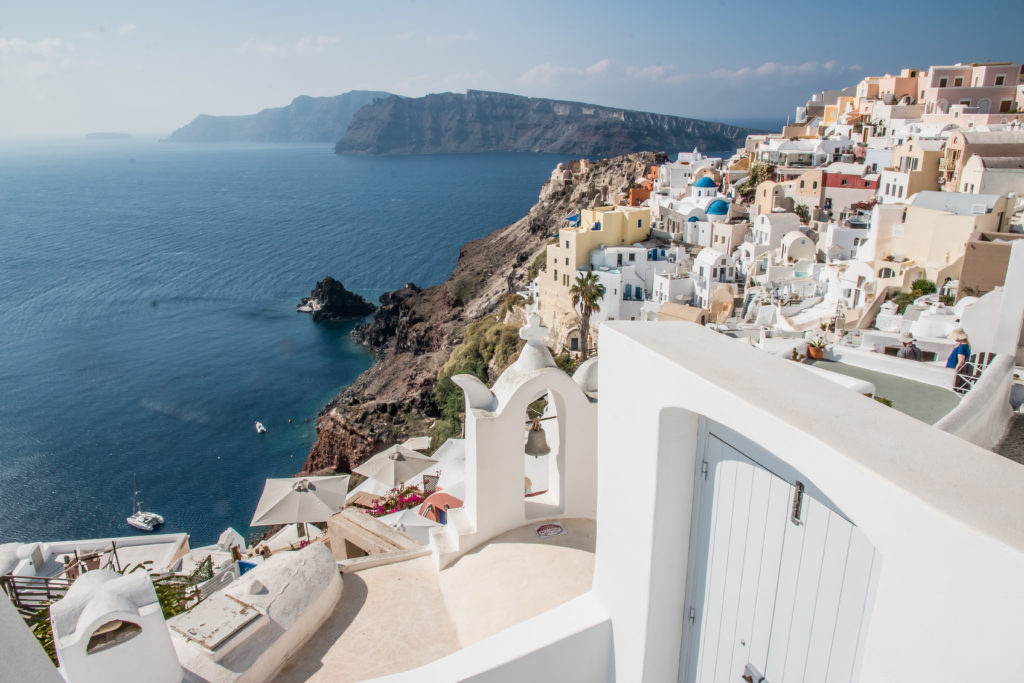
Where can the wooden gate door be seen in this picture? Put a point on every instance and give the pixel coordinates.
(779, 581)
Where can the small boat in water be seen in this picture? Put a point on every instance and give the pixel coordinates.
(141, 519)
(260, 428)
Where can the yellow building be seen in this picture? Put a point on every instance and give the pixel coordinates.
(601, 226)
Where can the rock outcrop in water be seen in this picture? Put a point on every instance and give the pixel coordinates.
(329, 300)
(306, 119)
(415, 330)
(497, 122)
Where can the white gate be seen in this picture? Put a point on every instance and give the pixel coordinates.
(779, 581)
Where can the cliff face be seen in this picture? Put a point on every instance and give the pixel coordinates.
(306, 119)
(414, 331)
(496, 122)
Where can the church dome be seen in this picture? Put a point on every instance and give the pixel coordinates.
(718, 208)
(705, 182)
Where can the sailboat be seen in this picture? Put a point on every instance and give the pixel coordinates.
(140, 519)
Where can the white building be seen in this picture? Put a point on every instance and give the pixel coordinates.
(711, 268)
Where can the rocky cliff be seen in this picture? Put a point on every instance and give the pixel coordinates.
(415, 330)
(497, 122)
(306, 119)
(329, 300)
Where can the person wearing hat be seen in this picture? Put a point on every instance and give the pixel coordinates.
(909, 350)
(958, 360)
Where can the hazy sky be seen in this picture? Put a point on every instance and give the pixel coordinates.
(68, 68)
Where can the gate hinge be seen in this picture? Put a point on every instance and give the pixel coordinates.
(704, 469)
(693, 615)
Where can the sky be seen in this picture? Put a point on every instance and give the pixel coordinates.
(70, 68)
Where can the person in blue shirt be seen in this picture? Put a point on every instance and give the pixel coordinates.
(958, 360)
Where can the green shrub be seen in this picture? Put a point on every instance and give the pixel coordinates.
(462, 290)
(540, 263)
(485, 341)
(902, 300)
(884, 401)
(923, 286)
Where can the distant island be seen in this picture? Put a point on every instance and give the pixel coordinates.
(306, 119)
(478, 121)
(107, 136)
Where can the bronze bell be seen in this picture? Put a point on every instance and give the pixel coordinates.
(536, 444)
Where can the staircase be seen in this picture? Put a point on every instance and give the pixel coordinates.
(29, 594)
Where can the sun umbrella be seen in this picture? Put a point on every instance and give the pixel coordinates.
(309, 499)
(411, 523)
(395, 465)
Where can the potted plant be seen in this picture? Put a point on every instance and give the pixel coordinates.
(816, 349)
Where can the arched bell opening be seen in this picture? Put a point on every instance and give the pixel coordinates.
(110, 634)
(543, 457)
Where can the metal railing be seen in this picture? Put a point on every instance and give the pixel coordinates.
(29, 594)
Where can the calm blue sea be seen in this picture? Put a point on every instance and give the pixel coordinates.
(147, 312)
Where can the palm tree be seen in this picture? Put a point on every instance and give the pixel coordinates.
(586, 294)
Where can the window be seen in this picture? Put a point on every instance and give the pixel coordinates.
(966, 103)
(958, 82)
(801, 184)
(900, 192)
(1000, 79)
(886, 273)
(566, 260)
(943, 82)
(574, 344)
(565, 280)
(632, 257)
(567, 244)
(628, 292)
(843, 182)
(887, 188)
(556, 276)
(639, 222)
(815, 185)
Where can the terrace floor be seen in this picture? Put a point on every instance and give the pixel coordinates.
(926, 402)
(396, 617)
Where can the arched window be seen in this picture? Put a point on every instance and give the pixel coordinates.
(886, 273)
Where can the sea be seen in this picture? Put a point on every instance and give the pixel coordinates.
(147, 313)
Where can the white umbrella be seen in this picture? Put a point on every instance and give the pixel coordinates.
(410, 523)
(395, 465)
(309, 499)
(452, 473)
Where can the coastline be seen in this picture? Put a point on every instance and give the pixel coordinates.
(415, 330)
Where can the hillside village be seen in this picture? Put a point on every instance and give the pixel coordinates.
(914, 178)
(775, 456)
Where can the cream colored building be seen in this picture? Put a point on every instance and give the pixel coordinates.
(993, 175)
(931, 239)
(607, 226)
(915, 169)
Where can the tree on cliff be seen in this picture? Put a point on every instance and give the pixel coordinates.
(586, 294)
(759, 172)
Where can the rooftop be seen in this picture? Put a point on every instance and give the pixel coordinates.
(395, 617)
(959, 203)
(926, 402)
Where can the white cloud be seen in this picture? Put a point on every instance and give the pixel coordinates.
(314, 45)
(544, 74)
(26, 60)
(265, 48)
(775, 69)
(125, 29)
(45, 48)
(408, 35)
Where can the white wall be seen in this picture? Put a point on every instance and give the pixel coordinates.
(942, 515)
(981, 417)
(23, 659)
